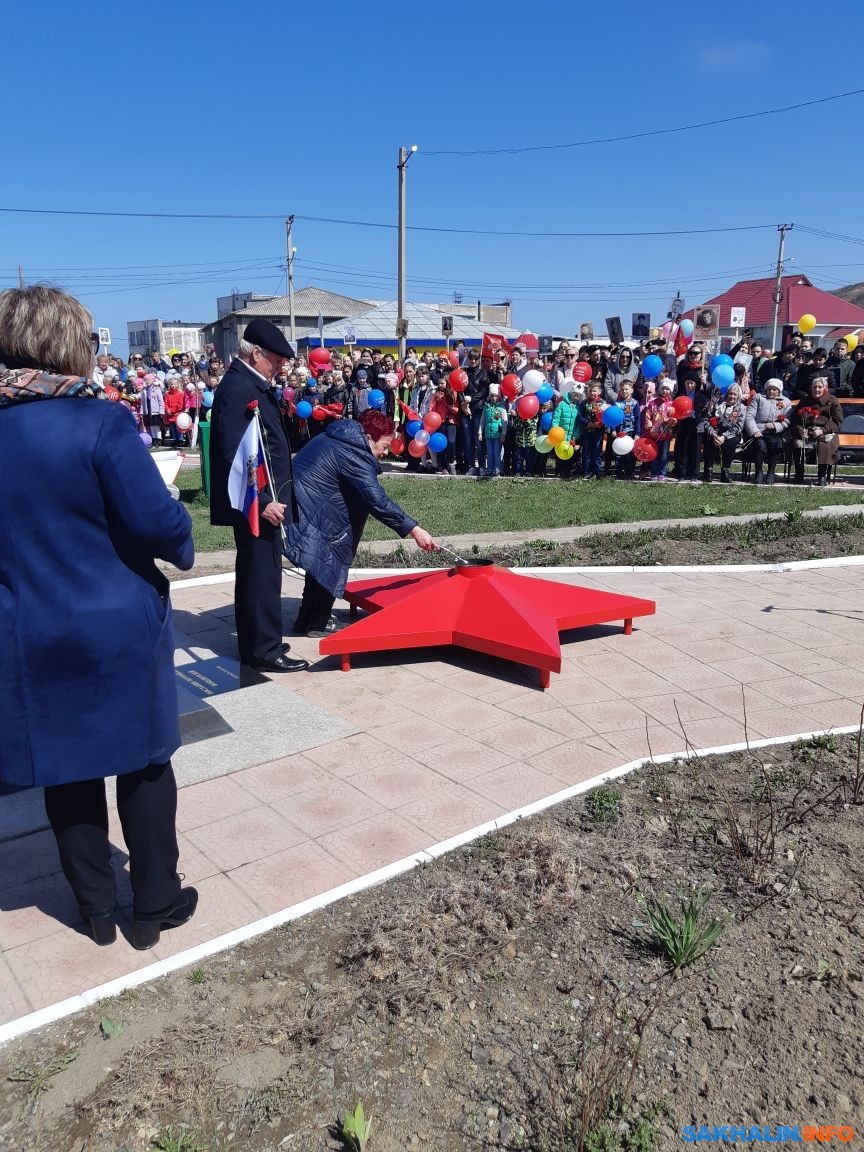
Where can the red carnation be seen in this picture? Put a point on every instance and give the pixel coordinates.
(252, 405)
(713, 421)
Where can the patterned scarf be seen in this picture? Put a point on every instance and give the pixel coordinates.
(19, 385)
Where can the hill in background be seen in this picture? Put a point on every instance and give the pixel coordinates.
(854, 293)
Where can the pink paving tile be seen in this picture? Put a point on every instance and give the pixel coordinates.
(245, 836)
(13, 1002)
(280, 778)
(794, 690)
(66, 963)
(326, 807)
(368, 707)
(714, 652)
(518, 738)
(579, 690)
(393, 787)
(450, 812)
(714, 732)
(468, 716)
(649, 683)
(515, 785)
(289, 877)
(834, 714)
(732, 701)
(843, 681)
(354, 754)
(572, 761)
(564, 722)
(373, 843)
(211, 800)
(462, 759)
(36, 909)
(662, 708)
(656, 740)
(222, 906)
(691, 676)
(28, 858)
(611, 716)
(748, 670)
(411, 730)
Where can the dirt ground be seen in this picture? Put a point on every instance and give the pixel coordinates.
(511, 994)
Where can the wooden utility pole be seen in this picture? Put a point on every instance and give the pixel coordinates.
(778, 295)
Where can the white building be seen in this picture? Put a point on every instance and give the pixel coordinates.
(164, 336)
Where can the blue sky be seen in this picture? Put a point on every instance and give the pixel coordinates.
(221, 108)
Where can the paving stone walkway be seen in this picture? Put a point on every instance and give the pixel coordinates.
(443, 741)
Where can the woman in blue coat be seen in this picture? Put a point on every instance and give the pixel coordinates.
(337, 488)
(85, 618)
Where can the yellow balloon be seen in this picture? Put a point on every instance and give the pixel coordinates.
(564, 451)
(851, 341)
(807, 323)
(555, 435)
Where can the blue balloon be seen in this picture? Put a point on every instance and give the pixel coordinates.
(544, 393)
(437, 442)
(376, 398)
(720, 358)
(304, 409)
(652, 366)
(413, 427)
(545, 420)
(723, 374)
(612, 417)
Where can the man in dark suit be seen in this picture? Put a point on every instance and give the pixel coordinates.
(258, 584)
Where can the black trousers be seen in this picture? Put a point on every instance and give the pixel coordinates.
(147, 806)
(766, 450)
(258, 594)
(726, 451)
(315, 607)
(686, 449)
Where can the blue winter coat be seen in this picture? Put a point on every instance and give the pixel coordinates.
(86, 646)
(336, 485)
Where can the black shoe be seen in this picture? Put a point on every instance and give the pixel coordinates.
(102, 928)
(332, 625)
(283, 663)
(147, 930)
(725, 478)
(769, 479)
(823, 482)
(706, 476)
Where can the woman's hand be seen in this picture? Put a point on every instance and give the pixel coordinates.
(422, 539)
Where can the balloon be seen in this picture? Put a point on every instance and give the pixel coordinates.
(723, 374)
(458, 380)
(287, 393)
(807, 323)
(683, 406)
(583, 372)
(545, 393)
(720, 358)
(438, 442)
(111, 393)
(645, 449)
(510, 386)
(304, 409)
(184, 421)
(687, 327)
(453, 357)
(851, 341)
(416, 450)
(397, 446)
(543, 445)
(666, 330)
(556, 435)
(564, 451)
(421, 437)
(623, 445)
(612, 417)
(146, 439)
(652, 366)
(527, 406)
(413, 427)
(545, 421)
(532, 381)
(319, 356)
(432, 421)
(319, 413)
(376, 398)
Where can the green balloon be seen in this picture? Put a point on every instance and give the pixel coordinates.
(541, 444)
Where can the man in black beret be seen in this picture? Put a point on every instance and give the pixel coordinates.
(258, 584)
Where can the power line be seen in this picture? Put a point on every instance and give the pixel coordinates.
(640, 135)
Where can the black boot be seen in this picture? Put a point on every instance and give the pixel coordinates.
(147, 929)
(757, 476)
(725, 478)
(822, 480)
(769, 479)
(706, 476)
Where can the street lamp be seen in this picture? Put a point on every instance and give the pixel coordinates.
(292, 251)
(405, 155)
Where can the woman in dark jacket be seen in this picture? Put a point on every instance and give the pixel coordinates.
(85, 614)
(337, 487)
(815, 423)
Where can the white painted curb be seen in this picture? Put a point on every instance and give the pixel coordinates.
(17, 1028)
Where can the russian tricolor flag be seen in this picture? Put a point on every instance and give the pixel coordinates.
(248, 475)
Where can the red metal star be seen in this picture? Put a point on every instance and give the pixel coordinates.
(484, 608)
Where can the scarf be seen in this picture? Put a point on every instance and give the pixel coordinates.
(19, 385)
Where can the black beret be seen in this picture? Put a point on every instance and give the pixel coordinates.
(267, 336)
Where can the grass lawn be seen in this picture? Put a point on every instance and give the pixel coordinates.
(451, 507)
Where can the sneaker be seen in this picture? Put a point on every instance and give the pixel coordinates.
(332, 625)
(472, 472)
(451, 468)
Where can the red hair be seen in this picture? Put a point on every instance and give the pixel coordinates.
(375, 424)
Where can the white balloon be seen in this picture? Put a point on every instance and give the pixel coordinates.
(566, 385)
(543, 445)
(184, 421)
(532, 380)
(421, 437)
(623, 445)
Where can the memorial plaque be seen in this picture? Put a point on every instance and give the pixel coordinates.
(199, 682)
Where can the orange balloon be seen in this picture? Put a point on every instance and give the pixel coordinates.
(556, 435)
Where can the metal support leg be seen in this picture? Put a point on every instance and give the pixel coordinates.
(628, 627)
(345, 662)
(352, 611)
(545, 676)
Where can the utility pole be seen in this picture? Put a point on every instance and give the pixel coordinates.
(20, 276)
(782, 229)
(291, 251)
(405, 155)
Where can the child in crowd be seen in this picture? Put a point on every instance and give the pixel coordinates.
(360, 395)
(686, 431)
(591, 419)
(658, 423)
(630, 426)
(566, 416)
(524, 435)
(494, 428)
(152, 407)
(174, 404)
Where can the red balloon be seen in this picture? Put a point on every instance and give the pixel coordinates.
(645, 450)
(582, 372)
(111, 393)
(432, 421)
(510, 386)
(416, 450)
(319, 356)
(458, 380)
(319, 413)
(683, 406)
(397, 446)
(453, 357)
(528, 406)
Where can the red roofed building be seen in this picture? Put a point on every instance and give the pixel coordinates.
(798, 296)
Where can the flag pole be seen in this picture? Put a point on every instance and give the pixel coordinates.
(267, 470)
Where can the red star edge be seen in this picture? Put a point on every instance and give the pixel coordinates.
(483, 608)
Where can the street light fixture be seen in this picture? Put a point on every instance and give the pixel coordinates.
(292, 251)
(405, 155)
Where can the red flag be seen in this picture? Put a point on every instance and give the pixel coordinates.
(681, 344)
(493, 343)
(409, 412)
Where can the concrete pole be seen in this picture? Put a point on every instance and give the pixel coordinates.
(288, 224)
(400, 276)
(782, 229)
